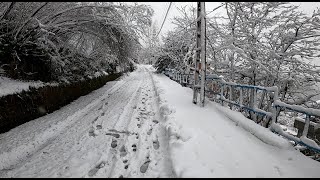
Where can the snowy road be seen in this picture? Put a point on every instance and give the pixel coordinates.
(117, 134)
(145, 125)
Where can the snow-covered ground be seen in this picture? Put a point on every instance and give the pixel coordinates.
(145, 125)
(114, 131)
(216, 142)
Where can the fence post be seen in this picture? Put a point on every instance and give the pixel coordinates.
(240, 100)
(221, 93)
(274, 108)
(254, 97)
(306, 126)
(178, 76)
(230, 92)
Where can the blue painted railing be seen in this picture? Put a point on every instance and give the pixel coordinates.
(186, 79)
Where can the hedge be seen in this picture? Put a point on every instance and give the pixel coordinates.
(16, 109)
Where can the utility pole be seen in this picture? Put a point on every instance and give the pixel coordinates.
(200, 54)
(197, 59)
(203, 53)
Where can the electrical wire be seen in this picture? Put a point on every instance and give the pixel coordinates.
(164, 18)
(215, 8)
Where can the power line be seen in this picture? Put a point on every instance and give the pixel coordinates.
(164, 18)
(216, 8)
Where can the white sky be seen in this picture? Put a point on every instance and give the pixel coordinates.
(160, 9)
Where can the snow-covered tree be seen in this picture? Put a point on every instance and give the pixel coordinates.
(150, 53)
(257, 43)
(178, 44)
(69, 39)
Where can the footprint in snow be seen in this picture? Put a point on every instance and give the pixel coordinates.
(145, 166)
(93, 132)
(114, 135)
(134, 147)
(156, 144)
(114, 143)
(94, 171)
(123, 151)
(95, 119)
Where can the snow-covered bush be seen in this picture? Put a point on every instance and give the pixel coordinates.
(51, 40)
(162, 63)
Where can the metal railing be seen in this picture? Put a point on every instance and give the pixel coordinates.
(276, 104)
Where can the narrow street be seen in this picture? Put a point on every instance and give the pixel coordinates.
(159, 89)
(145, 125)
(117, 134)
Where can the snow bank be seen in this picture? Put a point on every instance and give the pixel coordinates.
(216, 142)
(260, 132)
(309, 142)
(105, 73)
(310, 111)
(11, 86)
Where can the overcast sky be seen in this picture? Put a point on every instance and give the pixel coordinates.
(160, 9)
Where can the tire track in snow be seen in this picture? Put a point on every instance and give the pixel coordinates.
(121, 127)
(149, 154)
